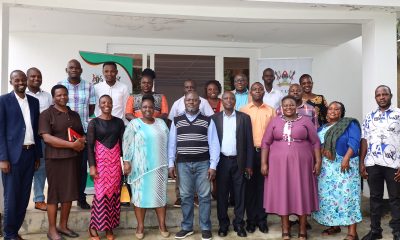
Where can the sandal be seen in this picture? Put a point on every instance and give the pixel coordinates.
(110, 235)
(70, 233)
(351, 237)
(286, 236)
(302, 236)
(331, 231)
(92, 236)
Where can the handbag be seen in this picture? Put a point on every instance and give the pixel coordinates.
(125, 196)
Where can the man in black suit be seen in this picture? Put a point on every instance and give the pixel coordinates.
(20, 151)
(236, 162)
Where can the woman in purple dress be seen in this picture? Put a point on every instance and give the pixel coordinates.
(290, 160)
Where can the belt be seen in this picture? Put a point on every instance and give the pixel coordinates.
(257, 149)
(228, 157)
(26, 147)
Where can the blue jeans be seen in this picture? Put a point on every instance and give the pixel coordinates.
(193, 178)
(39, 179)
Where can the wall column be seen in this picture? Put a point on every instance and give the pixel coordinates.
(4, 39)
(379, 59)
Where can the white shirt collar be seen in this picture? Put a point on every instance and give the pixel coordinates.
(232, 115)
(19, 98)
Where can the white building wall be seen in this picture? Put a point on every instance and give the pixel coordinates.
(336, 71)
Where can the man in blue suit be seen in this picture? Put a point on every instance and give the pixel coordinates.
(20, 151)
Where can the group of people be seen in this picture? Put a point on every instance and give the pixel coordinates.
(294, 156)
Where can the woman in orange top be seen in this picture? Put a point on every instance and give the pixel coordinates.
(212, 90)
(133, 104)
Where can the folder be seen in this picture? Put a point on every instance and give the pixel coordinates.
(72, 135)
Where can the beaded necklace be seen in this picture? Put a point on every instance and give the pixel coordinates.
(287, 129)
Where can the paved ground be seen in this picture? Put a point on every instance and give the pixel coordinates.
(274, 234)
(273, 223)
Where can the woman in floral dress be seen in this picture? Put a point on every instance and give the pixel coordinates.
(339, 185)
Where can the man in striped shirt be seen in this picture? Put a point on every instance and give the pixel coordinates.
(193, 143)
(304, 109)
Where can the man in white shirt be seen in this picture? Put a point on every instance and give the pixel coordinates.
(272, 96)
(380, 161)
(178, 108)
(20, 151)
(45, 100)
(117, 90)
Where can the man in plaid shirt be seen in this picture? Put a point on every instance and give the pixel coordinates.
(304, 109)
(82, 100)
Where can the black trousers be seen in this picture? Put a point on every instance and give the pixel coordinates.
(228, 174)
(254, 197)
(377, 175)
(17, 189)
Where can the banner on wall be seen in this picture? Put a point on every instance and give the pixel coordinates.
(92, 66)
(287, 70)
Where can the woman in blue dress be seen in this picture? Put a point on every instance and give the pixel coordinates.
(145, 160)
(339, 185)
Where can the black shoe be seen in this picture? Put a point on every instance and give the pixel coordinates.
(222, 232)
(182, 234)
(178, 202)
(263, 228)
(206, 235)
(372, 236)
(250, 228)
(83, 204)
(240, 231)
(396, 236)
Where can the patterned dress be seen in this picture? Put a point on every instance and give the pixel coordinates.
(145, 147)
(321, 107)
(104, 151)
(340, 193)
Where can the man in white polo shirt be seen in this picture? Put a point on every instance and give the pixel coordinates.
(272, 96)
(45, 100)
(117, 90)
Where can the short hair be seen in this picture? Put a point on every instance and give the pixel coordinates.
(215, 82)
(17, 71)
(287, 97)
(258, 83)
(148, 72)
(241, 75)
(229, 92)
(190, 80)
(304, 76)
(106, 96)
(32, 69)
(194, 92)
(110, 64)
(342, 108)
(384, 86)
(269, 70)
(58, 86)
(148, 97)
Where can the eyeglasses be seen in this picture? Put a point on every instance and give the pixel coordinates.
(239, 80)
